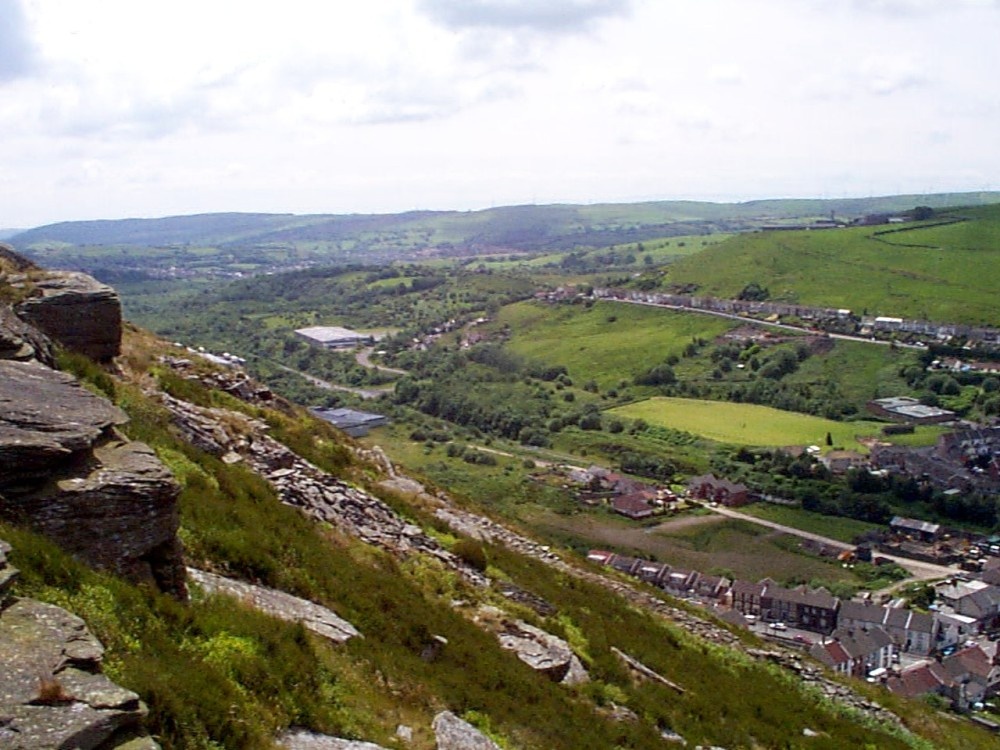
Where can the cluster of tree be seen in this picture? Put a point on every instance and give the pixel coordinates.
(857, 494)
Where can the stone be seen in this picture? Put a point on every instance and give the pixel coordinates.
(51, 691)
(452, 733)
(543, 652)
(45, 418)
(302, 739)
(21, 342)
(76, 310)
(118, 513)
(404, 733)
(284, 606)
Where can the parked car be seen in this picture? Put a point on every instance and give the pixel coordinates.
(778, 626)
(802, 639)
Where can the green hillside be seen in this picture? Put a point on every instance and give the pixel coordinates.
(937, 272)
(606, 343)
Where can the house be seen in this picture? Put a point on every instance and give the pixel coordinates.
(635, 506)
(911, 631)
(926, 532)
(967, 676)
(810, 609)
(977, 600)
(855, 652)
(710, 587)
(840, 462)
(708, 487)
(974, 674)
(747, 597)
(922, 679)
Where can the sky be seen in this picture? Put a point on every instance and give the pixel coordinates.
(143, 108)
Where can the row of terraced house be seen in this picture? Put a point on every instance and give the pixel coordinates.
(816, 610)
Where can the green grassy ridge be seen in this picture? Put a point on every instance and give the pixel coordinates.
(940, 273)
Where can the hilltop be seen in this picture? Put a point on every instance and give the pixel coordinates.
(287, 238)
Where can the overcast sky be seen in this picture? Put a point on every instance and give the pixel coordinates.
(122, 108)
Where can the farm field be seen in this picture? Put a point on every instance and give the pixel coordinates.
(835, 527)
(941, 273)
(702, 543)
(754, 425)
(609, 342)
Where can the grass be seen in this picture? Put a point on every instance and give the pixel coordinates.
(609, 342)
(835, 527)
(751, 424)
(711, 543)
(939, 273)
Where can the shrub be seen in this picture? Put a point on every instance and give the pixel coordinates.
(472, 553)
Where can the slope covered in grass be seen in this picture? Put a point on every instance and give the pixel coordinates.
(942, 273)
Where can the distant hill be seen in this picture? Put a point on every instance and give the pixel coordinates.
(513, 227)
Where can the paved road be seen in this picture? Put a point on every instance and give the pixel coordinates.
(767, 324)
(918, 570)
(365, 393)
(364, 358)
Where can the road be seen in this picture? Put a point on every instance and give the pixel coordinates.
(364, 358)
(919, 570)
(767, 324)
(365, 393)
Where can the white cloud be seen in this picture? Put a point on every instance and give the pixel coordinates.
(550, 16)
(17, 49)
(396, 104)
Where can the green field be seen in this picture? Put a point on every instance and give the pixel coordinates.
(834, 527)
(943, 273)
(609, 342)
(750, 424)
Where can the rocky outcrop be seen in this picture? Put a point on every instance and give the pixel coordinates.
(314, 617)
(47, 421)
(65, 472)
(541, 651)
(52, 693)
(76, 310)
(320, 495)
(21, 342)
(452, 733)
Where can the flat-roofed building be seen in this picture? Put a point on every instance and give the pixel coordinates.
(354, 423)
(334, 337)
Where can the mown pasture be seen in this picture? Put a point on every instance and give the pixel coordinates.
(751, 424)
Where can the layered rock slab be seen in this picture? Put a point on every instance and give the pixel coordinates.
(65, 472)
(76, 310)
(320, 620)
(52, 694)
